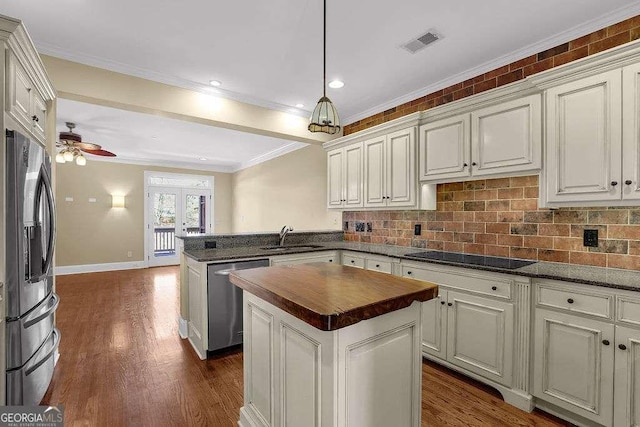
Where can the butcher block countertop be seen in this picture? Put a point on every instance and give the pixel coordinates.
(329, 296)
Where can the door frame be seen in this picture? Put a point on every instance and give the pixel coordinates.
(209, 215)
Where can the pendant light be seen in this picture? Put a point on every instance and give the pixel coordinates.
(325, 116)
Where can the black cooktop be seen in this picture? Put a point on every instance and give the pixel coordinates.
(458, 258)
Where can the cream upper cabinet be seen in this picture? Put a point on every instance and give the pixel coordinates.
(584, 139)
(573, 364)
(480, 335)
(631, 132)
(344, 177)
(445, 149)
(389, 170)
(24, 103)
(507, 137)
(374, 172)
(627, 377)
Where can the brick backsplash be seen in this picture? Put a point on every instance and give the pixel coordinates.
(598, 41)
(500, 217)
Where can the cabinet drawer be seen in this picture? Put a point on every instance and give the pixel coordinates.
(352, 261)
(574, 300)
(628, 310)
(493, 284)
(377, 265)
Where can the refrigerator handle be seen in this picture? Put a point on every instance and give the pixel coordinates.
(52, 220)
(35, 363)
(51, 307)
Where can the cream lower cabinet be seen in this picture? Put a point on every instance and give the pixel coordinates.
(627, 377)
(573, 364)
(479, 325)
(304, 258)
(198, 322)
(379, 263)
(480, 335)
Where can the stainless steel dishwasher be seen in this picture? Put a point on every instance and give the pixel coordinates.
(225, 303)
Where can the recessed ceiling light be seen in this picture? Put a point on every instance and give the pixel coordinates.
(203, 158)
(299, 105)
(336, 84)
(215, 83)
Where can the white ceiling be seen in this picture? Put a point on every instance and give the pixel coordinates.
(149, 139)
(270, 52)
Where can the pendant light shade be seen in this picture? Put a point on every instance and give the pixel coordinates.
(325, 116)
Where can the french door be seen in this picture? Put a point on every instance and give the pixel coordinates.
(174, 212)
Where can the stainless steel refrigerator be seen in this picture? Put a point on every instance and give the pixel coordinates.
(31, 338)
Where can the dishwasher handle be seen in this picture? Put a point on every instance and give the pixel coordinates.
(224, 272)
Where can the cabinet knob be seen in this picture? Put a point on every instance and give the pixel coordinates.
(34, 118)
(605, 342)
(449, 304)
(614, 183)
(474, 164)
(622, 347)
(442, 302)
(465, 165)
(330, 260)
(408, 272)
(352, 262)
(570, 300)
(628, 182)
(494, 288)
(377, 265)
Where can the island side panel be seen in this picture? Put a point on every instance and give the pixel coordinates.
(295, 374)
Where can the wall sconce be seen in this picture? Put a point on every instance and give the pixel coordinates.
(117, 201)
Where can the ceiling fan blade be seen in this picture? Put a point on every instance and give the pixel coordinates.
(99, 152)
(87, 146)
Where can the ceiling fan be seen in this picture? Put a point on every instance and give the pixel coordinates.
(72, 147)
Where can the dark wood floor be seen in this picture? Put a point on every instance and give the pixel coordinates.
(123, 363)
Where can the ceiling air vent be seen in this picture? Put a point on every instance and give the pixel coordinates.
(422, 41)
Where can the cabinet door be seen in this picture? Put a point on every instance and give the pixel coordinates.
(374, 170)
(480, 336)
(627, 377)
(197, 283)
(39, 116)
(400, 168)
(444, 149)
(353, 176)
(584, 139)
(19, 89)
(573, 368)
(631, 132)
(335, 178)
(434, 325)
(507, 137)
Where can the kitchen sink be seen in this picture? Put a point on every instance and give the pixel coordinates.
(290, 248)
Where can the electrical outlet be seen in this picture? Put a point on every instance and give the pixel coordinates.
(210, 244)
(359, 226)
(417, 229)
(369, 227)
(346, 226)
(129, 254)
(590, 238)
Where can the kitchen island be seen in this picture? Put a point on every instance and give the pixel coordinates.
(329, 345)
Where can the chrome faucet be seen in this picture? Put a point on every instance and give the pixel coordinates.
(283, 233)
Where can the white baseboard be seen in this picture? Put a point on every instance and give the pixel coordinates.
(93, 268)
(182, 328)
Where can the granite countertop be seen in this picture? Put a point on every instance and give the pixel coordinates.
(600, 276)
(333, 296)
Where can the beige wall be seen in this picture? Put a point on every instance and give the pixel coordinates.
(94, 233)
(291, 189)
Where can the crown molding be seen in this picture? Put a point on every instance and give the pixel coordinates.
(234, 167)
(613, 17)
(168, 79)
(289, 148)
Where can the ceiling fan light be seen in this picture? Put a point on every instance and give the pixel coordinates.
(60, 158)
(81, 160)
(68, 156)
(324, 117)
